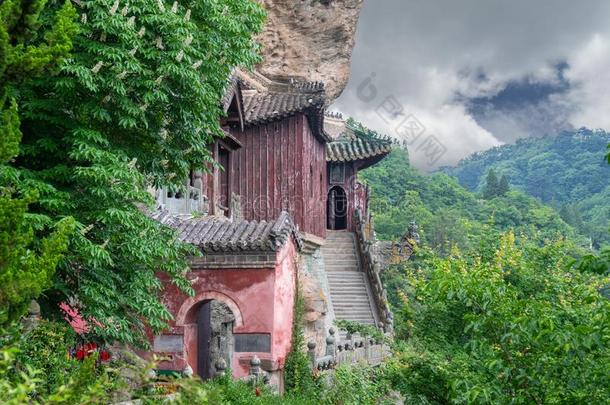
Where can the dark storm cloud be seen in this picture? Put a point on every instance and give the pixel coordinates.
(480, 73)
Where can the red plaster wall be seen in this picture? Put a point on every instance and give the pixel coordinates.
(285, 294)
(262, 301)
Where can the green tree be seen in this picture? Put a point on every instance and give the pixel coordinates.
(29, 251)
(135, 106)
(491, 189)
(503, 185)
(568, 168)
(515, 328)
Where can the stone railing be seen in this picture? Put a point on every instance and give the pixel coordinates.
(185, 201)
(372, 268)
(351, 350)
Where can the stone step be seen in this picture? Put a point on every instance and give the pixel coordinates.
(347, 269)
(345, 234)
(341, 285)
(359, 320)
(349, 296)
(341, 263)
(338, 242)
(341, 255)
(350, 281)
(346, 280)
(335, 236)
(364, 315)
(343, 248)
(353, 262)
(349, 278)
(353, 307)
(344, 274)
(356, 312)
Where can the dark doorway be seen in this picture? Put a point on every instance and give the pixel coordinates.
(336, 209)
(214, 337)
(204, 337)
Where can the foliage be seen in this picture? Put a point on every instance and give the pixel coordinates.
(35, 369)
(28, 254)
(355, 385)
(364, 330)
(136, 105)
(569, 169)
(349, 385)
(297, 372)
(515, 328)
(45, 348)
(448, 214)
(493, 187)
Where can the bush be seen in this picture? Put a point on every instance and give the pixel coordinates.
(518, 328)
(35, 368)
(45, 349)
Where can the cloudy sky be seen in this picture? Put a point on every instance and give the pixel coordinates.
(458, 76)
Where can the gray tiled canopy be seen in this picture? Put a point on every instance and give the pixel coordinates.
(218, 234)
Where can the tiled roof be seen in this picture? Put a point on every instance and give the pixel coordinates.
(356, 149)
(231, 90)
(265, 107)
(219, 234)
(270, 99)
(357, 144)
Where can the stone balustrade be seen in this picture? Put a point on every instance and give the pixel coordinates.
(187, 201)
(353, 349)
(372, 268)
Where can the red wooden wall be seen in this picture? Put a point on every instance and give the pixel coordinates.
(280, 166)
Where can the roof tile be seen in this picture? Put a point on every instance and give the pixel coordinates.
(219, 234)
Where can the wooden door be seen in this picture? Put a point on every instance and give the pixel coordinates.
(204, 337)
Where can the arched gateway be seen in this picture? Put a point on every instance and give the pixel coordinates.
(245, 285)
(209, 320)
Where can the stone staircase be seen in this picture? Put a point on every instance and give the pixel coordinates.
(349, 285)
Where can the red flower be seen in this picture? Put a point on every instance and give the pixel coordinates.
(86, 350)
(104, 355)
(257, 391)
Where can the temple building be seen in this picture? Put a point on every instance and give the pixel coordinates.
(280, 209)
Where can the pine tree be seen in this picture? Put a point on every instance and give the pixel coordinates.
(503, 186)
(136, 105)
(31, 246)
(491, 185)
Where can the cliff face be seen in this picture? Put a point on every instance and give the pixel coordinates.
(310, 40)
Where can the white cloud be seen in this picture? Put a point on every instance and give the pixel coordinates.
(589, 76)
(426, 53)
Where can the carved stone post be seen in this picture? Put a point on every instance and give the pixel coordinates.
(330, 343)
(311, 353)
(257, 375)
(221, 366)
(255, 366)
(31, 321)
(187, 371)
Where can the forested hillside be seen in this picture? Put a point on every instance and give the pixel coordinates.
(448, 214)
(567, 172)
(494, 306)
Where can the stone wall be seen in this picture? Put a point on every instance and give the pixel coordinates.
(314, 288)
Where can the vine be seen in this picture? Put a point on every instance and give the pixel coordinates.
(297, 374)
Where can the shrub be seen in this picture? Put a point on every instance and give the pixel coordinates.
(518, 328)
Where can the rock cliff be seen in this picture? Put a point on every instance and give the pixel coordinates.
(310, 40)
